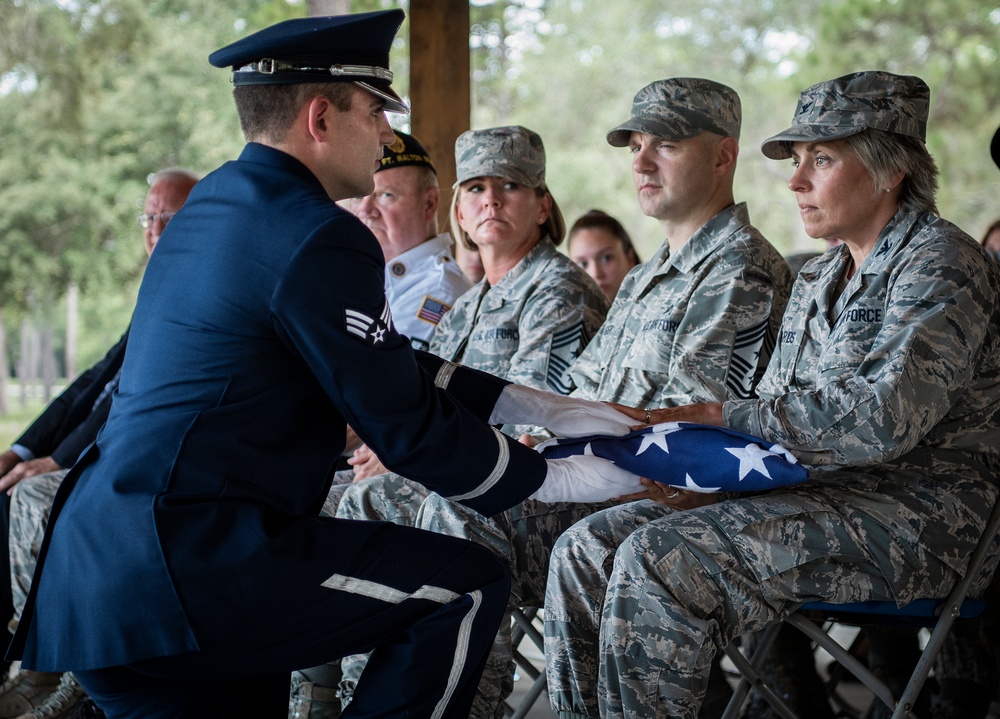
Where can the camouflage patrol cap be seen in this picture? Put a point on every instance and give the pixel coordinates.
(850, 104)
(404, 150)
(679, 108)
(513, 152)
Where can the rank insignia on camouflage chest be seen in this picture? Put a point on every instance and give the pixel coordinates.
(370, 330)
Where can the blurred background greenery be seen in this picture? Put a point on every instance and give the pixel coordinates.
(95, 96)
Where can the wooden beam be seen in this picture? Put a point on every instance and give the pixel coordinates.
(440, 84)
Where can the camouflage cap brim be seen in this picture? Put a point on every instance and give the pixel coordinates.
(498, 168)
(512, 152)
(848, 105)
(678, 130)
(779, 146)
(681, 107)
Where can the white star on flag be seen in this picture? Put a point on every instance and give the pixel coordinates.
(658, 437)
(690, 484)
(751, 458)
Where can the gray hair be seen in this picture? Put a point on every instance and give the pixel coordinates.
(174, 173)
(885, 153)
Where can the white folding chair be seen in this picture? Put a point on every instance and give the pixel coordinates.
(939, 615)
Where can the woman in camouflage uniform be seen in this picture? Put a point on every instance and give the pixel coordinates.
(527, 320)
(885, 381)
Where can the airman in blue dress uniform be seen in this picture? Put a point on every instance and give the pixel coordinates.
(185, 564)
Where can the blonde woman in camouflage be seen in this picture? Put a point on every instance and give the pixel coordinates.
(885, 383)
(527, 320)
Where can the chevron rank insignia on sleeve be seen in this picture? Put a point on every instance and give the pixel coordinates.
(370, 330)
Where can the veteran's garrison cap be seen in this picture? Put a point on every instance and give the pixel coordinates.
(338, 48)
(679, 108)
(405, 150)
(513, 152)
(850, 104)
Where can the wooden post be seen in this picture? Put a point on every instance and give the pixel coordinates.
(440, 93)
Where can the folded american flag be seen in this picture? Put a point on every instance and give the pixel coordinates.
(698, 457)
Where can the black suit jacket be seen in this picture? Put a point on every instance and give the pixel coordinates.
(72, 420)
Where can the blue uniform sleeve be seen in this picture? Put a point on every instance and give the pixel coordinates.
(331, 309)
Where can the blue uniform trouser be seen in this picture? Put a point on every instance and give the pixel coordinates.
(426, 605)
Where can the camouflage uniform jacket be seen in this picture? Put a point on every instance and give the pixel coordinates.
(895, 379)
(528, 328)
(695, 326)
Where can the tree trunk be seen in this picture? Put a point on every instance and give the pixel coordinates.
(24, 362)
(4, 368)
(72, 319)
(47, 360)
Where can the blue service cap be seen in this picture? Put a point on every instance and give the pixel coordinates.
(338, 48)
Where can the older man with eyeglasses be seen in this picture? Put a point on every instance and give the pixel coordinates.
(43, 456)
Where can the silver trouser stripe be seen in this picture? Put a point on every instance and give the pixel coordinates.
(461, 654)
(386, 593)
(495, 475)
(436, 594)
(444, 374)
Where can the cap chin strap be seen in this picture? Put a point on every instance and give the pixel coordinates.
(269, 66)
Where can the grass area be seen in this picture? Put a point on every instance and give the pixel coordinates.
(17, 418)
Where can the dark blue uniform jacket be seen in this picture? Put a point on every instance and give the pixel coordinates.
(256, 337)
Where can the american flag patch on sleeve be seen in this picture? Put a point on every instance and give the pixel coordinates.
(370, 330)
(432, 310)
(697, 457)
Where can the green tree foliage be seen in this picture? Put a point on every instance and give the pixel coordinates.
(569, 68)
(94, 98)
(97, 94)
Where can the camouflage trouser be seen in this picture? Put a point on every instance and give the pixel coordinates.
(341, 482)
(386, 497)
(680, 585)
(30, 504)
(523, 537)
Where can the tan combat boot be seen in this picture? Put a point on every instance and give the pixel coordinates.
(25, 691)
(310, 701)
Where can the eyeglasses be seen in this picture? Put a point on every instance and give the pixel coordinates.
(147, 219)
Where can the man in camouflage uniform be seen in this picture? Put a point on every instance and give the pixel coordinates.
(694, 323)
(886, 381)
(528, 327)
